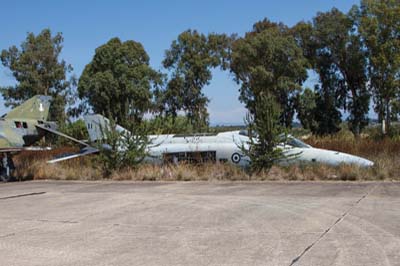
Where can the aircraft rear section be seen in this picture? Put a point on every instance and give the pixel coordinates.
(18, 131)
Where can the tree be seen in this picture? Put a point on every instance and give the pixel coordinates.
(270, 68)
(306, 106)
(264, 134)
(170, 101)
(122, 148)
(37, 69)
(76, 129)
(317, 111)
(380, 29)
(327, 117)
(190, 59)
(268, 60)
(340, 46)
(118, 81)
(169, 125)
(334, 49)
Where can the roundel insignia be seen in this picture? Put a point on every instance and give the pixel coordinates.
(236, 157)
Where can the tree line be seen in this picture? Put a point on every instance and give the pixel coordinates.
(355, 55)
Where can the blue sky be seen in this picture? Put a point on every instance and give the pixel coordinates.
(88, 24)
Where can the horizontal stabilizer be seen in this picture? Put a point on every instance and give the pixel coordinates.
(84, 152)
(58, 133)
(19, 149)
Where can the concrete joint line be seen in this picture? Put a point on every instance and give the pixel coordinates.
(23, 195)
(341, 218)
(61, 222)
(4, 236)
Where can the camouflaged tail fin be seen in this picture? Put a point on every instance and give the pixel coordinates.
(36, 108)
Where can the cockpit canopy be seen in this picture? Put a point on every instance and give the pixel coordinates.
(296, 143)
(286, 139)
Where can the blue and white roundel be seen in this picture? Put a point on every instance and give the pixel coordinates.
(236, 157)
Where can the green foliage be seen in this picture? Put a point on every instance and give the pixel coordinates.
(191, 58)
(263, 149)
(118, 81)
(268, 60)
(75, 129)
(271, 69)
(37, 69)
(317, 112)
(222, 128)
(327, 118)
(380, 30)
(180, 125)
(169, 125)
(375, 132)
(396, 108)
(306, 107)
(342, 51)
(334, 49)
(122, 148)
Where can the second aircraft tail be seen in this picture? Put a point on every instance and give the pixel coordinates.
(97, 125)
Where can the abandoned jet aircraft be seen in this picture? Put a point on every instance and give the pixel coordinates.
(21, 128)
(221, 147)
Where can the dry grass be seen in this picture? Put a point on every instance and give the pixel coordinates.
(216, 172)
(385, 153)
(32, 165)
(207, 172)
(364, 146)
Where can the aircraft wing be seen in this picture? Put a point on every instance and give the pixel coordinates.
(19, 149)
(85, 151)
(58, 133)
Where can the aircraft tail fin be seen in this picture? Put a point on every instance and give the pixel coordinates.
(36, 108)
(97, 125)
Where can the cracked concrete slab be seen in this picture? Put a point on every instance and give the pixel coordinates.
(199, 223)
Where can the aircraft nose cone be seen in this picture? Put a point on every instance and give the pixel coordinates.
(365, 163)
(357, 160)
(336, 158)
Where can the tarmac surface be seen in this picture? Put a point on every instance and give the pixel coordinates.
(199, 223)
